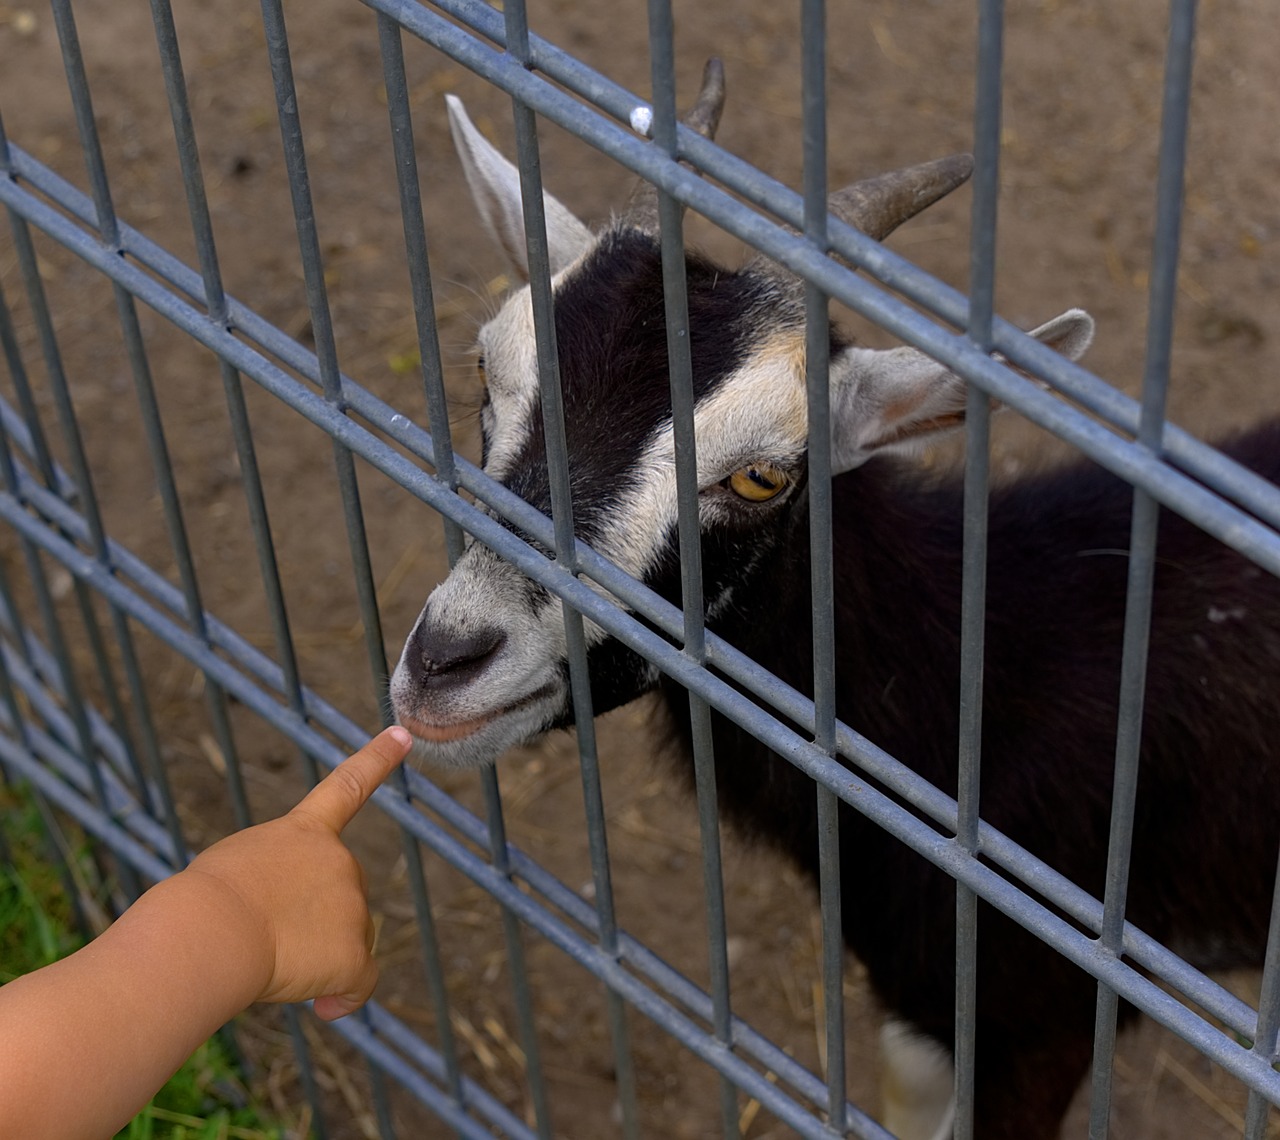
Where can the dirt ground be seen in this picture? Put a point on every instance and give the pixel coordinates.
(1081, 111)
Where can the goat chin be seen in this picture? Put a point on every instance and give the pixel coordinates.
(481, 740)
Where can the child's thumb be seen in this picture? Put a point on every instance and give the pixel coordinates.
(333, 1006)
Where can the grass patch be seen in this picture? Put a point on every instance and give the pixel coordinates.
(206, 1099)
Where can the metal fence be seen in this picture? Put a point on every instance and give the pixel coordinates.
(78, 690)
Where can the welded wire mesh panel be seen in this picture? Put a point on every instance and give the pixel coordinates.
(240, 441)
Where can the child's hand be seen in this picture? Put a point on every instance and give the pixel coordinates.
(274, 913)
(302, 892)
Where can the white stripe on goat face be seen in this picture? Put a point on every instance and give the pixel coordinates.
(757, 414)
(509, 350)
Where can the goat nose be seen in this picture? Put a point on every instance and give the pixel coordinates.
(440, 658)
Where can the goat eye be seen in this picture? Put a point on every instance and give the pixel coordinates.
(757, 483)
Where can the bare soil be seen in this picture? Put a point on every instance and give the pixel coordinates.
(1081, 112)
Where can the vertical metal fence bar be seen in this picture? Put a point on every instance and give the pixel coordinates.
(986, 187)
(415, 239)
(680, 367)
(216, 303)
(1266, 1041)
(87, 499)
(1142, 554)
(516, 27)
(84, 600)
(822, 584)
(517, 31)
(251, 479)
(108, 229)
(289, 117)
(76, 706)
(397, 88)
(59, 850)
(500, 856)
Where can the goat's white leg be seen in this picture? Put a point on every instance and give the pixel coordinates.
(919, 1084)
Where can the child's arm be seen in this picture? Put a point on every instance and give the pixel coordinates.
(274, 913)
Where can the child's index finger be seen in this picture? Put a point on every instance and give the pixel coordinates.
(344, 791)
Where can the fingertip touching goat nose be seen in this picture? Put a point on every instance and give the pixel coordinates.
(441, 658)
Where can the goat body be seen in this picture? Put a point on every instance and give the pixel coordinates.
(1208, 821)
(485, 666)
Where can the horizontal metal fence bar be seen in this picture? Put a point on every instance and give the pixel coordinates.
(374, 1035)
(1193, 455)
(1235, 1013)
(405, 422)
(876, 806)
(92, 819)
(1135, 464)
(608, 967)
(1131, 461)
(1056, 889)
(320, 715)
(120, 805)
(42, 678)
(115, 833)
(1141, 466)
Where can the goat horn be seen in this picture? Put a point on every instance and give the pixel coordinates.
(704, 117)
(878, 206)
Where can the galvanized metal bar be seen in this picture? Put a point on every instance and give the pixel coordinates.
(891, 269)
(528, 161)
(558, 895)
(1189, 497)
(392, 51)
(369, 1036)
(590, 956)
(1267, 1041)
(689, 535)
(54, 840)
(39, 450)
(52, 747)
(92, 818)
(499, 858)
(289, 118)
(982, 258)
(216, 302)
(411, 1045)
(822, 575)
(109, 231)
(87, 500)
(415, 241)
(1142, 543)
(791, 704)
(250, 476)
(897, 820)
(80, 729)
(634, 953)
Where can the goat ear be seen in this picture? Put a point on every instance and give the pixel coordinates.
(1069, 333)
(900, 399)
(495, 186)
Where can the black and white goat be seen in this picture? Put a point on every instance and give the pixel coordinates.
(485, 667)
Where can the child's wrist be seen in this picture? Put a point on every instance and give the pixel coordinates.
(201, 910)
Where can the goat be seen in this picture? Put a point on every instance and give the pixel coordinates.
(484, 668)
